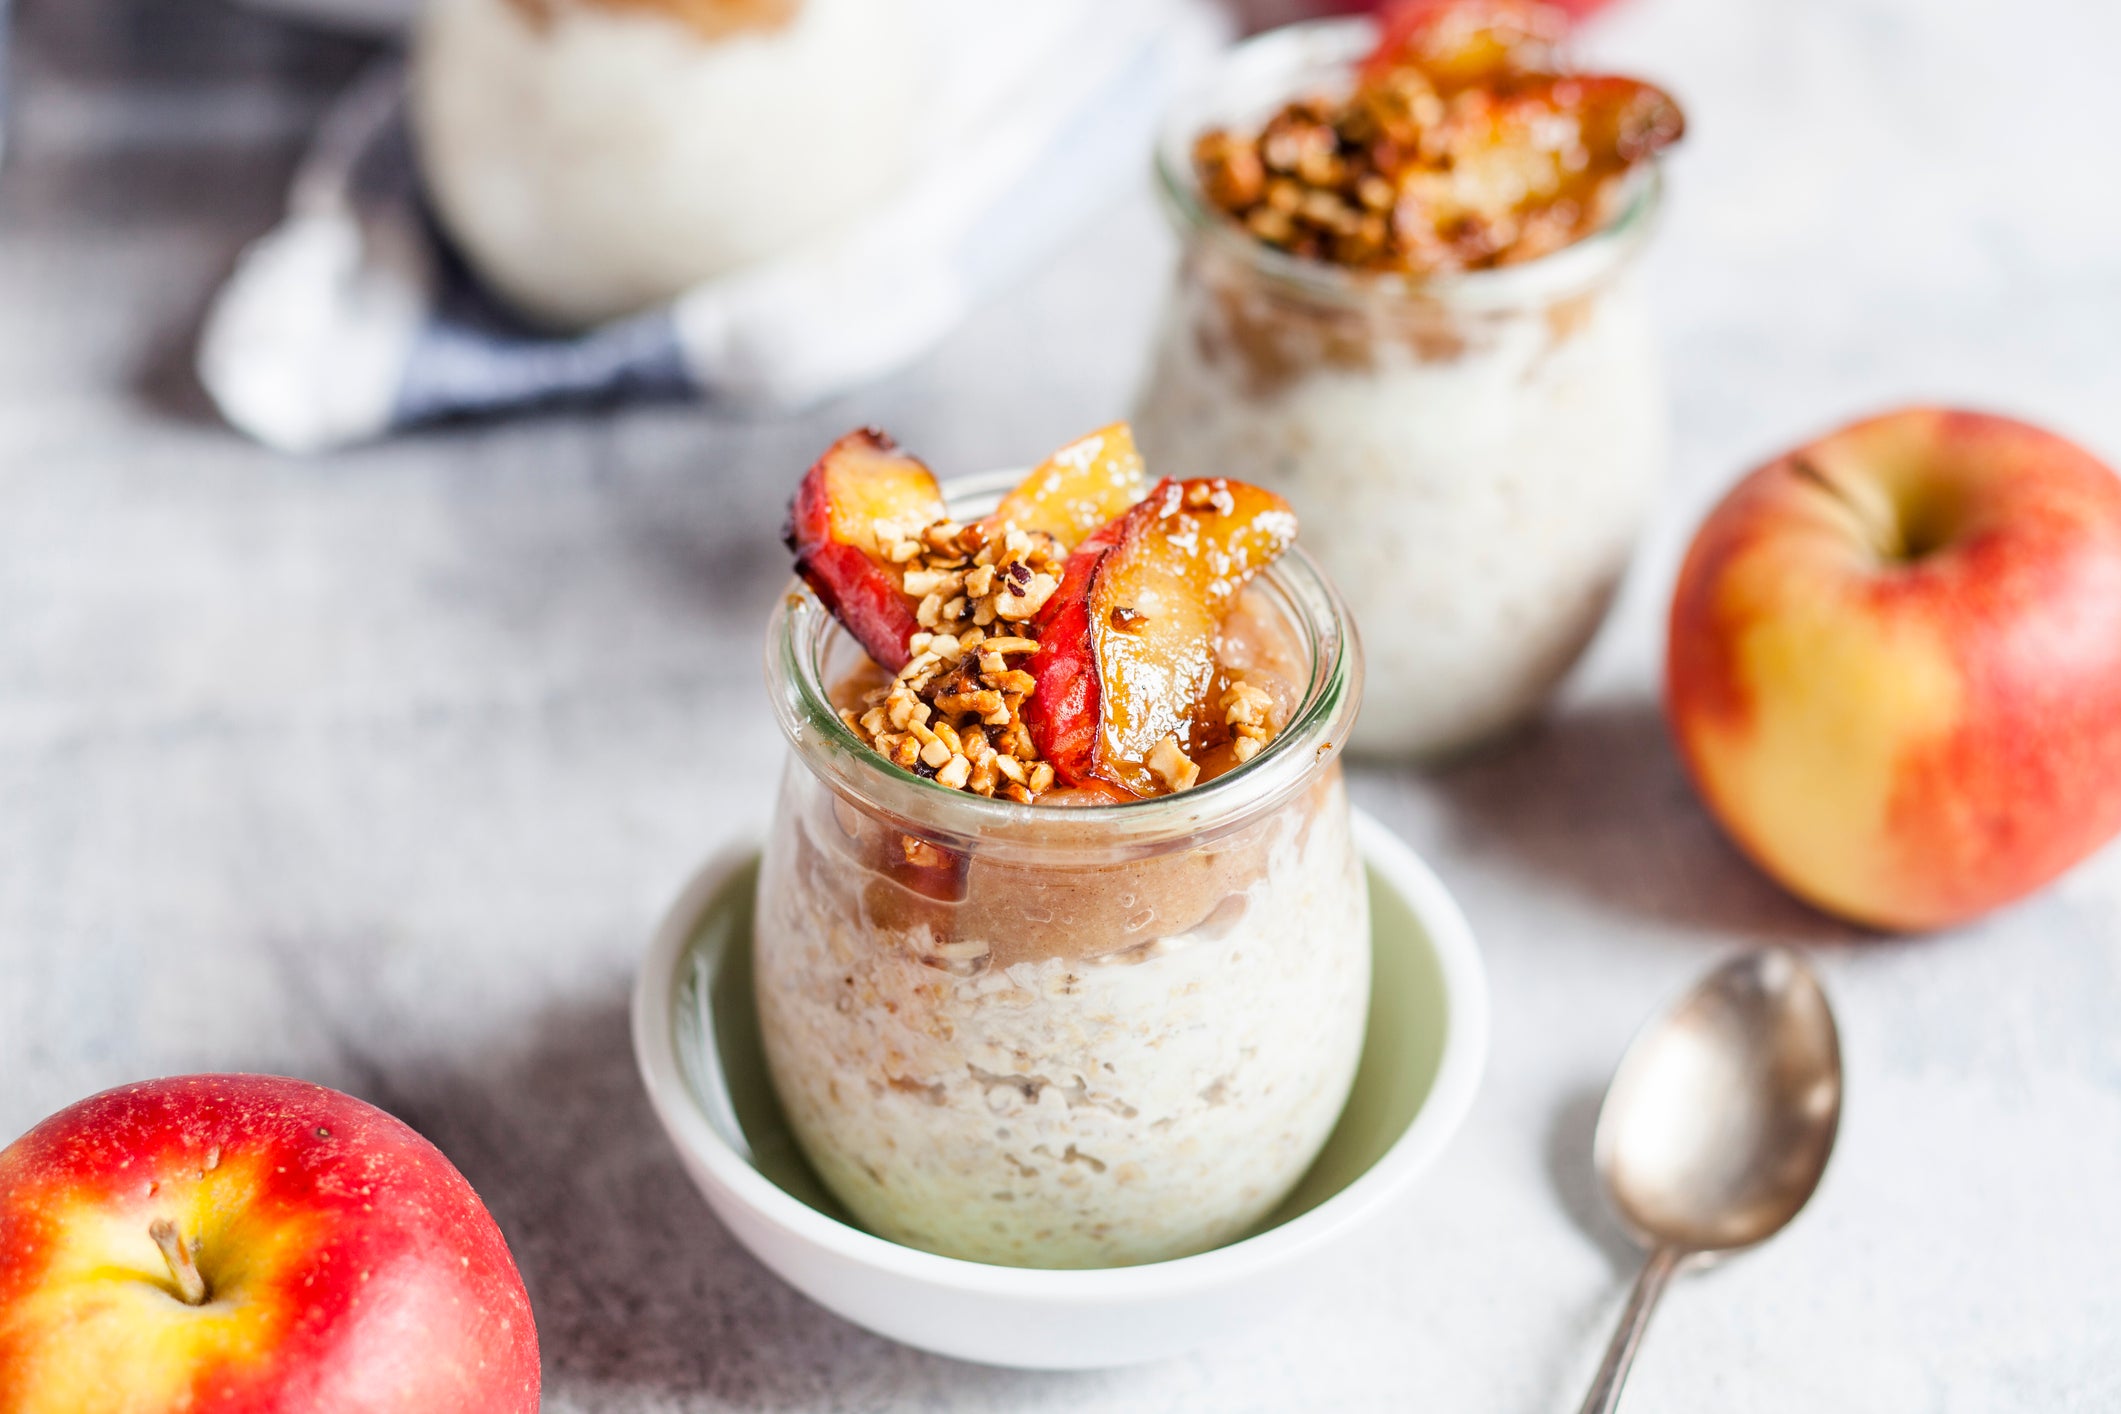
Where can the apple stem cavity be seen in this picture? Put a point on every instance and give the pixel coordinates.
(191, 1287)
(1879, 525)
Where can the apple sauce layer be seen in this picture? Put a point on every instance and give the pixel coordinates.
(1116, 1062)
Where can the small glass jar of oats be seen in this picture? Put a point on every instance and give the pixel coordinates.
(1088, 1031)
(1409, 301)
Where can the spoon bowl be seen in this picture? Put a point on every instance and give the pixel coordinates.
(1718, 1124)
(1717, 1127)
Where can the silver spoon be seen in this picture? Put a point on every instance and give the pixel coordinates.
(1716, 1128)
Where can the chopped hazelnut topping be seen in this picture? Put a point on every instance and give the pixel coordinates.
(1248, 711)
(954, 711)
(1245, 705)
(1172, 765)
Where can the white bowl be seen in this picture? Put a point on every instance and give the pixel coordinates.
(696, 1041)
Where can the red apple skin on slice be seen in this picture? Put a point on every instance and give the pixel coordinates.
(862, 478)
(1081, 487)
(1065, 706)
(1127, 643)
(1460, 44)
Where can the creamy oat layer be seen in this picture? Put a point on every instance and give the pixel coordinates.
(1152, 1101)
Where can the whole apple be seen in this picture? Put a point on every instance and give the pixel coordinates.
(248, 1244)
(1895, 665)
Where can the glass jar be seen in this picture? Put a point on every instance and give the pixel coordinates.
(1471, 454)
(1064, 1036)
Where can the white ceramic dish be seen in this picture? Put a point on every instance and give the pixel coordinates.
(695, 1039)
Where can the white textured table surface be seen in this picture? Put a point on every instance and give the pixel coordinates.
(379, 769)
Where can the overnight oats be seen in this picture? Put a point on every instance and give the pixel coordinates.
(1409, 301)
(1062, 942)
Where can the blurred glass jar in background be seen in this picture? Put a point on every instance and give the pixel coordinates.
(1065, 1035)
(1472, 453)
(594, 158)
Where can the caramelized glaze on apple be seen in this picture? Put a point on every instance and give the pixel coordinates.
(1127, 646)
(1079, 488)
(1460, 44)
(1465, 144)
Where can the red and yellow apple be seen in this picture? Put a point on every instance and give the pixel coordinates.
(1126, 647)
(248, 1244)
(1895, 665)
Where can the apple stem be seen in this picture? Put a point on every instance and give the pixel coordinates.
(191, 1287)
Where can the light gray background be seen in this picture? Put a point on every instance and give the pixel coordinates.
(378, 769)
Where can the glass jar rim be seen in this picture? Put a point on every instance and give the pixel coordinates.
(1309, 51)
(801, 628)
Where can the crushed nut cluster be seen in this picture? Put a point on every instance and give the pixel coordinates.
(1172, 766)
(1248, 717)
(1248, 712)
(1294, 187)
(954, 713)
(1407, 175)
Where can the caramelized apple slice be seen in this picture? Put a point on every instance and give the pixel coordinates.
(1624, 121)
(1461, 44)
(863, 478)
(1522, 171)
(1079, 488)
(1127, 643)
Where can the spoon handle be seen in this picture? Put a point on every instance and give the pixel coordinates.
(1604, 1397)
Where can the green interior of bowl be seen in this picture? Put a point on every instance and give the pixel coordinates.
(1400, 1056)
